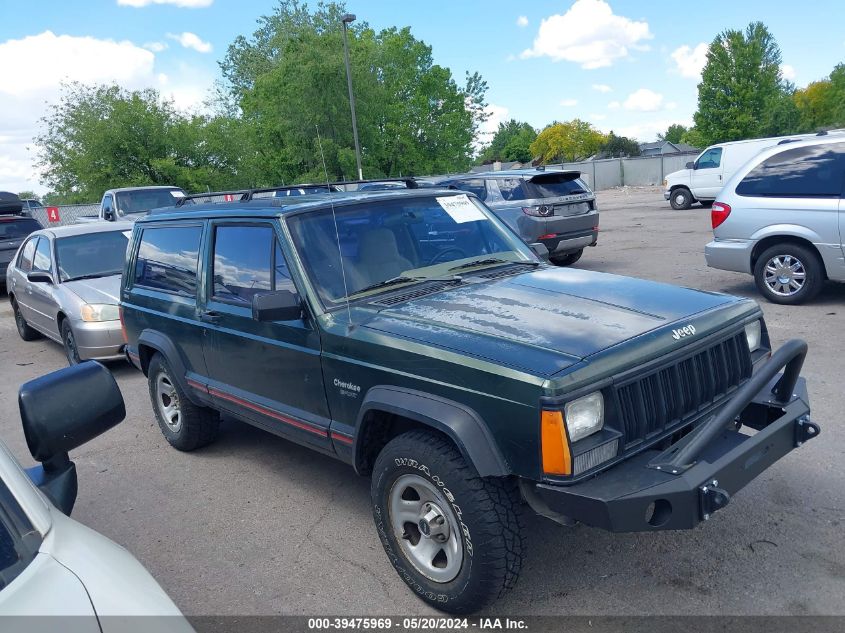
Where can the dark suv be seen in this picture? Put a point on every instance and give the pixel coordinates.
(412, 335)
(552, 208)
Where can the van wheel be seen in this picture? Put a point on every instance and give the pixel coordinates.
(455, 538)
(568, 259)
(789, 274)
(185, 425)
(681, 199)
(26, 332)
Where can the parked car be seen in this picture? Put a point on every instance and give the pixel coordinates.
(553, 208)
(781, 218)
(411, 334)
(129, 203)
(64, 283)
(703, 179)
(13, 231)
(50, 565)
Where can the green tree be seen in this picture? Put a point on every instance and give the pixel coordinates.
(288, 80)
(694, 138)
(616, 146)
(28, 195)
(674, 133)
(567, 142)
(740, 84)
(511, 142)
(99, 137)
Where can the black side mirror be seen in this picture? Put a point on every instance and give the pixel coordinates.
(279, 305)
(39, 276)
(108, 216)
(540, 251)
(55, 421)
(690, 165)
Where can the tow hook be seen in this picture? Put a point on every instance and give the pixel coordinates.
(712, 498)
(805, 430)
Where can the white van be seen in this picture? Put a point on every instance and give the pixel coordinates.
(703, 178)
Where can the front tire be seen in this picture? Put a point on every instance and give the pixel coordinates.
(25, 331)
(568, 259)
(184, 425)
(69, 342)
(789, 274)
(455, 538)
(681, 199)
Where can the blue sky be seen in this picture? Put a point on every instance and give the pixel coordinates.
(622, 65)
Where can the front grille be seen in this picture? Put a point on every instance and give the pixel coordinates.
(593, 457)
(656, 402)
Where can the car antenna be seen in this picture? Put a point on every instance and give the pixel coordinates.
(336, 231)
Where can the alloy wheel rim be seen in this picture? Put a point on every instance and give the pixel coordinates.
(784, 275)
(167, 401)
(426, 528)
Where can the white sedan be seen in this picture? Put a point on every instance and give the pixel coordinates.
(51, 565)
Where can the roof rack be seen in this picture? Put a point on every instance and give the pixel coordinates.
(409, 182)
(230, 195)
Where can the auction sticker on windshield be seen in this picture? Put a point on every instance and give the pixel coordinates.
(461, 209)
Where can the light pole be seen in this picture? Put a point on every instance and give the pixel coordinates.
(348, 19)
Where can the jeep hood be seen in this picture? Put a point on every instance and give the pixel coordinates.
(544, 320)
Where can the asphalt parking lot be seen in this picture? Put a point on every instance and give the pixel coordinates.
(257, 525)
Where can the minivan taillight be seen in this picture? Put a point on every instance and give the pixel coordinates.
(719, 212)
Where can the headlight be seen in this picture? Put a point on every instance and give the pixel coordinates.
(753, 334)
(100, 312)
(584, 416)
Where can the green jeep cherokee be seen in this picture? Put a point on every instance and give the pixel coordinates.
(413, 335)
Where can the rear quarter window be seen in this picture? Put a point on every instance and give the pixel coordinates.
(167, 259)
(814, 171)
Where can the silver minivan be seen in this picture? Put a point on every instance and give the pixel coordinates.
(781, 218)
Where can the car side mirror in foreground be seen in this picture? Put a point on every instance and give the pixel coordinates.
(540, 251)
(60, 412)
(39, 276)
(279, 305)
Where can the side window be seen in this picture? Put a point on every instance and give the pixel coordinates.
(710, 159)
(513, 188)
(473, 186)
(27, 254)
(281, 274)
(167, 259)
(247, 260)
(42, 259)
(814, 171)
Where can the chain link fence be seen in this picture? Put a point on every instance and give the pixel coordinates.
(64, 214)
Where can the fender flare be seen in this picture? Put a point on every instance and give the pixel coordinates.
(164, 346)
(459, 422)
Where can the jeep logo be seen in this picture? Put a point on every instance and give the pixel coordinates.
(680, 333)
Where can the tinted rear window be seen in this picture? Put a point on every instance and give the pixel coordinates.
(17, 228)
(167, 259)
(815, 171)
(555, 185)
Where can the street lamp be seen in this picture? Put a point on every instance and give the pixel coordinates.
(348, 19)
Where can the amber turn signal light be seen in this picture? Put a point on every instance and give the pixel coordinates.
(556, 457)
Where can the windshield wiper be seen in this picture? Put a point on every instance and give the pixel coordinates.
(401, 280)
(490, 261)
(93, 276)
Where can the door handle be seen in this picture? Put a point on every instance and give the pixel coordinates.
(210, 316)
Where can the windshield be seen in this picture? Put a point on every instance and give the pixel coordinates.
(401, 242)
(17, 228)
(142, 200)
(91, 255)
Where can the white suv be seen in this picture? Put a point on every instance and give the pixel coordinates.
(781, 217)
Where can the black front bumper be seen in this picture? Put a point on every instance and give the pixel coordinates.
(653, 491)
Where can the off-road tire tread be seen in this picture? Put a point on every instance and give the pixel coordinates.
(200, 425)
(498, 534)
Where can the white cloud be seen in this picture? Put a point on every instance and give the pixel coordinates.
(647, 130)
(497, 114)
(614, 105)
(588, 34)
(184, 4)
(155, 47)
(191, 40)
(788, 72)
(568, 103)
(672, 105)
(522, 21)
(36, 65)
(604, 88)
(643, 100)
(689, 62)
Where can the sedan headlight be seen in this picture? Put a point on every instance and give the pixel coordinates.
(100, 312)
(584, 416)
(753, 335)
